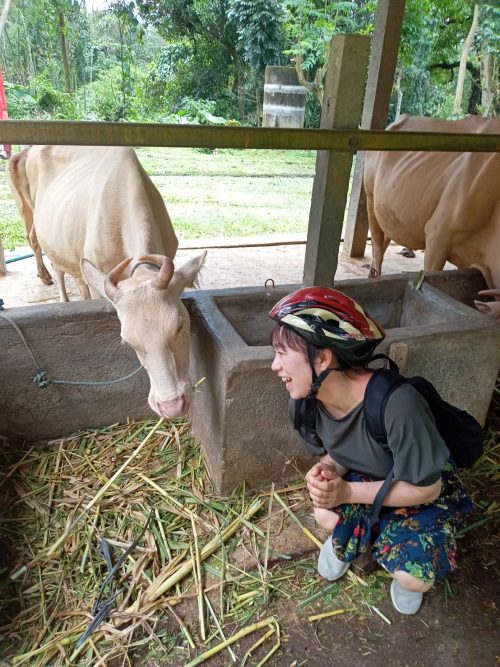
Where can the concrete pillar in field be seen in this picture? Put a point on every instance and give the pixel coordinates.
(3, 266)
(284, 98)
(342, 105)
(383, 59)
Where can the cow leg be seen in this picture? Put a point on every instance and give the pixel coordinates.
(18, 182)
(380, 241)
(84, 289)
(63, 295)
(436, 248)
(41, 269)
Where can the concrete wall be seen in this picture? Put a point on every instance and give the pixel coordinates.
(75, 341)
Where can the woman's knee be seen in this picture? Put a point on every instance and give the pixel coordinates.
(325, 518)
(411, 583)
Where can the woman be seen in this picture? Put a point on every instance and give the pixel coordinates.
(323, 343)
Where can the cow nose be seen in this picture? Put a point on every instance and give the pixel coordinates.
(172, 409)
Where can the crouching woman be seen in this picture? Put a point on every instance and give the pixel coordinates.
(401, 502)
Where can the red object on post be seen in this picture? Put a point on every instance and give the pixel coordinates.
(7, 148)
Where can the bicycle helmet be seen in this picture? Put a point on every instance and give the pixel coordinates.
(325, 317)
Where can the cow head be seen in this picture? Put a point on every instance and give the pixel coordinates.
(154, 321)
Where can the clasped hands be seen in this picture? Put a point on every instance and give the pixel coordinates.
(327, 489)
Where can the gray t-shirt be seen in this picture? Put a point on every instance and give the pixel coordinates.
(415, 447)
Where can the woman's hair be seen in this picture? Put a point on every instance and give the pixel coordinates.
(283, 337)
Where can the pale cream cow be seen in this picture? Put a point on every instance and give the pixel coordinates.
(97, 216)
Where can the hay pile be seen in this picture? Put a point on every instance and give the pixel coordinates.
(136, 497)
(136, 500)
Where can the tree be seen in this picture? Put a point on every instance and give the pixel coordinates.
(246, 32)
(457, 105)
(259, 28)
(4, 14)
(129, 30)
(260, 40)
(430, 56)
(489, 38)
(61, 32)
(310, 25)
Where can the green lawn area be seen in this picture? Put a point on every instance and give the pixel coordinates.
(221, 193)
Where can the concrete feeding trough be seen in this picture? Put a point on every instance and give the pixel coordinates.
(73, 342)
(240, 413)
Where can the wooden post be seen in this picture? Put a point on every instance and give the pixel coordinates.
(384, 56)
(342, 105)
(3, 265)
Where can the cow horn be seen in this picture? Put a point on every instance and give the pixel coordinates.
(164, 276)
(490, 292)
(112, 279)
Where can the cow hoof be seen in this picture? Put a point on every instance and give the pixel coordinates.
(46, 279)
(374, 273)
(406, 252)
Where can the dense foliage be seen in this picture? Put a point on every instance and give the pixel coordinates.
(204, 60)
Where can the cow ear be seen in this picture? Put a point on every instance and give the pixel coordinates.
(187, 274)
(94, 276)
(484, 307)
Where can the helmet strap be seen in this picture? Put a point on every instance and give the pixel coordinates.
(316, 379)
(317, 382)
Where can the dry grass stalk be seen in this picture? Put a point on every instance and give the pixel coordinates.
(195, 557)
(328, 614)
(239, 635)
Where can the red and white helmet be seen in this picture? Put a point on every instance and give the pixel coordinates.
(325, 317)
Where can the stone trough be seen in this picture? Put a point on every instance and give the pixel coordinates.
(240, 413)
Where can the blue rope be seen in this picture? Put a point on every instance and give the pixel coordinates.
(40, 377)
(18, 259)
(97, 382)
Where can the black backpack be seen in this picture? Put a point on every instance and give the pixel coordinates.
(462, 434)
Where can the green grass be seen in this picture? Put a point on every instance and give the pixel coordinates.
(226, 192)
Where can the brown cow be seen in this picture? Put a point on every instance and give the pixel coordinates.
(447, 203)
(96, 215)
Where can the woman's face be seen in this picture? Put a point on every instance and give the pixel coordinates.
(294, 370)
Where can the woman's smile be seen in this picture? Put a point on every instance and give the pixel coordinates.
(294, 371)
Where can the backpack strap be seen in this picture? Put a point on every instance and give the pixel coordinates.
(304, 422)
(379, 499)
(380, 386)
(390, 362)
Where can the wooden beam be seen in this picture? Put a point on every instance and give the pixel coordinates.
(383, 59)
(342, 106)
(85, 133)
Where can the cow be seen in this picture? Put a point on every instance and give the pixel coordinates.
(98, 217)
(446, 203)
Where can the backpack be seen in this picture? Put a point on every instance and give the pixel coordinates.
(462, 434)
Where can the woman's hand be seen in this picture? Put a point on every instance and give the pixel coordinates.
(326, 488)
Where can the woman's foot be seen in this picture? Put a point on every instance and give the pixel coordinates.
(405, 601)
(329, 566)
